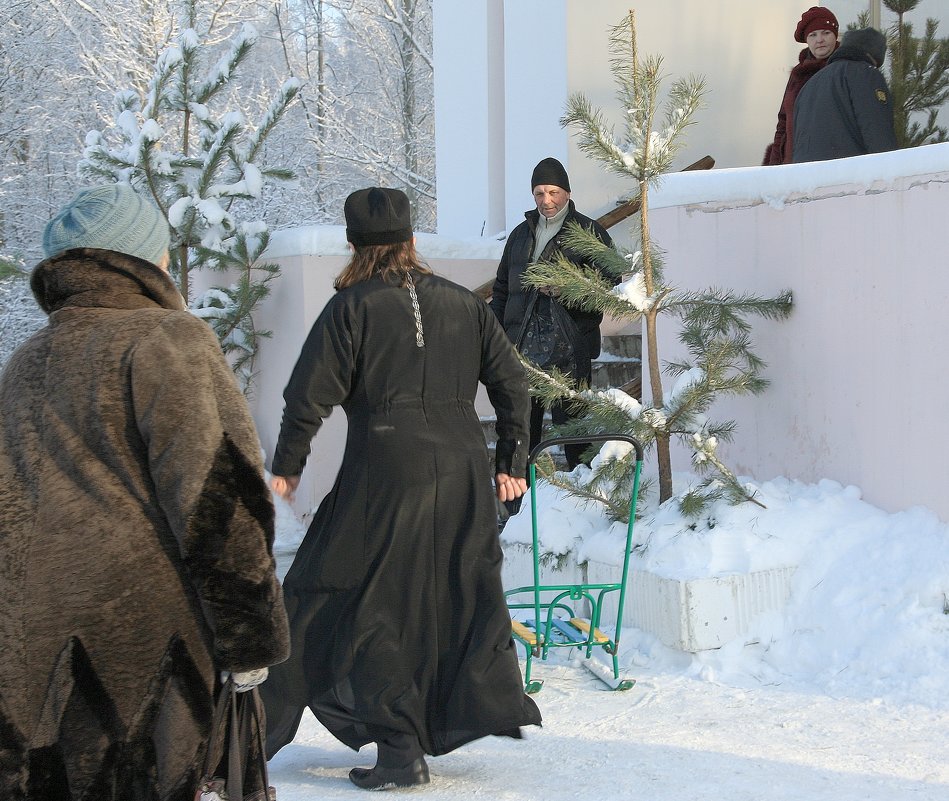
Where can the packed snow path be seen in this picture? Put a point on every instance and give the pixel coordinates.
(669, 738)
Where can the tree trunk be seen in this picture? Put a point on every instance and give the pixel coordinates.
(652, 348)
(663, 457)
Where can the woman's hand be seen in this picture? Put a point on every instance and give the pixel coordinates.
(508, 487)
(285, 486)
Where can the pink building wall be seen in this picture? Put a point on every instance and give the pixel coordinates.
(859, 391)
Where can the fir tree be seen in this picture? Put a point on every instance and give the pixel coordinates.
(197, 166)
(714, 326)
(918, 75)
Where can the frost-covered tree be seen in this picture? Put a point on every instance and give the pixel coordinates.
(60, 64)
(199, 164)
(364, 114)
(37, 105)
(714, 325)
(367, 97)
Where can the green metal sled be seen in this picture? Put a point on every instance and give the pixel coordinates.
(557, 622)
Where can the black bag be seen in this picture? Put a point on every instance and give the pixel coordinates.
(237, 727)
(549, 337)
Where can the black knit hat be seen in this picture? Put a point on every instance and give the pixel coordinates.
(377, 216)
(869, 41)
(550, 172)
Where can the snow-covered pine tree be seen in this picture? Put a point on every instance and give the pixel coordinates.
(714, 328)
(917, 74)
(197, 165)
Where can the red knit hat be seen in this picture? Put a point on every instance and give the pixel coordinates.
(815, 19)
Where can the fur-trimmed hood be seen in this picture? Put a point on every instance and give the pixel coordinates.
(104, 279)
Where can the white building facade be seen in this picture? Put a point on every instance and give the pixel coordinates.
(505, 68)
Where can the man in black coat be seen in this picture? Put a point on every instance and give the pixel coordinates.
(846, 109)
(538, 239)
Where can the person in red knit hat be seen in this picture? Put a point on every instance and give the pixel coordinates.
(818, 29)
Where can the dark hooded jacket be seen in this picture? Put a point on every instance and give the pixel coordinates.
(844, 110)
(510, 297)
(135, 539)
(397, 612)
(781, 149)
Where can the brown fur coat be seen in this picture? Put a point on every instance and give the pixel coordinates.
(136, 536)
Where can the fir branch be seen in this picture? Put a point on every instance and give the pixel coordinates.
(158, 86)
(596, 137)
(218, 152)
(578, 287)
(278, 173)
(721, 310)
(705, 456)
(585, 495)
(229, 65)
(591, 250)
(288, 92)
(550, 387)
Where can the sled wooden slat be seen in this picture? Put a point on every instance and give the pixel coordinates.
(523, 632)
(582, 625)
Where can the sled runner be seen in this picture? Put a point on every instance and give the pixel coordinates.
(557, 622)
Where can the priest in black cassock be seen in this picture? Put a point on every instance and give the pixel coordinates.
(400, 631)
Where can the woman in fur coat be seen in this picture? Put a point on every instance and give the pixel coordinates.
(136, 527)
(817, 29)
(401, 635)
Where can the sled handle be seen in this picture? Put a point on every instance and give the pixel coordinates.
(582, 440)
(634, 495)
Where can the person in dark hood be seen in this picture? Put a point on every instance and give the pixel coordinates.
(538, 239)
(136, 527)
(818, 29)
(847, 109)
(400, 631)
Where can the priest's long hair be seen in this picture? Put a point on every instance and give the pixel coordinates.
(393, 262)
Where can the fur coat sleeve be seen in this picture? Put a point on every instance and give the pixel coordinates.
(205, 461)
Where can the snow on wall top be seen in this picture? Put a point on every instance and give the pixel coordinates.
(777, 185)
(330, 240)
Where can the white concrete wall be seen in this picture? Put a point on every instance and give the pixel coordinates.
(858, 392)
(298, 297)
(505, 68)
(469, 110)
(536, 86)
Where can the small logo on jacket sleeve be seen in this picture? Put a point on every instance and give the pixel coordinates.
(881, 95)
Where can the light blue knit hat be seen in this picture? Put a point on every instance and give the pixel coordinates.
(112, 217)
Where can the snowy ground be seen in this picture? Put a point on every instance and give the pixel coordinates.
(670, 738)
(844, 696)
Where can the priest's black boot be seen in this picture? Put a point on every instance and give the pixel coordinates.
(381, 778)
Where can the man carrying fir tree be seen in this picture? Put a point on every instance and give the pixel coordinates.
(538, 239)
